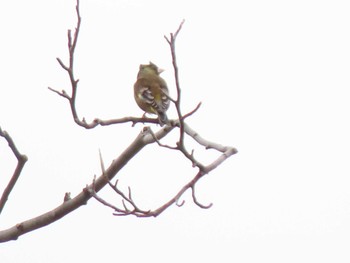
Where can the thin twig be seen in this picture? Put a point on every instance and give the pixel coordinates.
(171, 43)
(161, 144)
(119, 211)
(70, 69)
(192, 112)
(196, 201)
(21, 160)
(178, 30)
(62, 93)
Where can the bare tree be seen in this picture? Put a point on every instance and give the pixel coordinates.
(144, 138)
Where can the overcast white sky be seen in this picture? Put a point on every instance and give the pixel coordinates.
(273, 77)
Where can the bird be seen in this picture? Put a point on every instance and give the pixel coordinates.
(151, 92)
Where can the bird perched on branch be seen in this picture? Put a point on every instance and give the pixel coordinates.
(151, 92)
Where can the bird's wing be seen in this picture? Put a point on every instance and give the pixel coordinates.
(164, 102)
(146, 95)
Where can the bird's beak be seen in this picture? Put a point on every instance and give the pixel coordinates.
(160, 70)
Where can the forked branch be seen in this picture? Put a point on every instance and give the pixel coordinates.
(146, 136)
(226, 152)
(21, 160)
(71, 204)
(72, 43)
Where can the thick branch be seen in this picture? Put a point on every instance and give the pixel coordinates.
(180, 146)
(203, 170)
(21, 160)
(143, 139)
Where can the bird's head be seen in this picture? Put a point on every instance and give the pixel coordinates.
(149, 69)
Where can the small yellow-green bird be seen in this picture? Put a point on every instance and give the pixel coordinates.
(151, 92)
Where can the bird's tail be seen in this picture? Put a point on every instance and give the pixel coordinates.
(163, 118)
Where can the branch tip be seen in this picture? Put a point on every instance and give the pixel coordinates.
(180, 204)
(196, 201)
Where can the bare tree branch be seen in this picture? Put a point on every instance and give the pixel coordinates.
(196, 201)
(171, 43)
(147, 136)
(203, 170)
(21, 160)
(180, 146)
(181, 123)
(191, 112)
(72, 42)
(70, 69)
(143, 139)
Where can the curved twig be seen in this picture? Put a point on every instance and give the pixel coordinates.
(196, 201)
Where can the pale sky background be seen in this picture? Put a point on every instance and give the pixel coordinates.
(273, 77)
